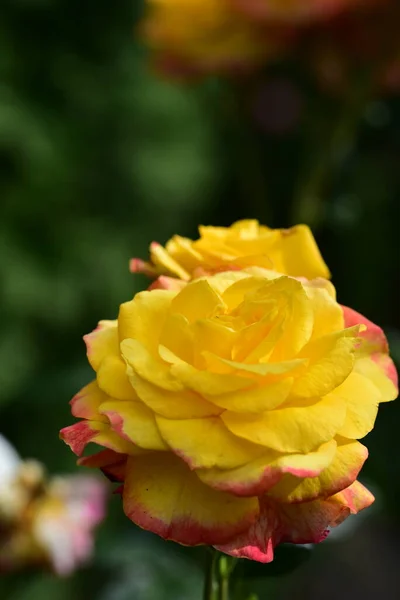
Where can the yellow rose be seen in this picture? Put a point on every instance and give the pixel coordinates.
(206, 36)
(246, 243)
(230, 409)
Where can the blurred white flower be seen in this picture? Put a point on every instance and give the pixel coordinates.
(46, 522)
(9, 462)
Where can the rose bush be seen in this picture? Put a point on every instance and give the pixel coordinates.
(230, 409)
(245, 244)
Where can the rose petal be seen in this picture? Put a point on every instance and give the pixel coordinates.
(207, 443)
(306, 523)
(135, 422)
(85, 404)
(101, 343)
(260, 475)
(162, 495)
(339, 474)
(296, 427)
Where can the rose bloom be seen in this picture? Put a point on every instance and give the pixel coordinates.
(45, 522)
(297, 11)
(204, 36)
(230, 410)
(246, 243)
(360, 42)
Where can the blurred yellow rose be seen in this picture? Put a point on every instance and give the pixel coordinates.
(196, 36)
(246, 243)
(230, 409)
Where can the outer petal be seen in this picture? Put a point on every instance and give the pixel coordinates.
(79, 435)
(85, 404)
(143, 317)
(300, 427)
(165, 263)
(162, 495)
(375, 345)
(388, 367)
(134, 422)
(362, 398)
(102, 342)
(137, 265)
(167, 283)
(113, 465)
(207, 443)
(356, 497)
(373, 338)
(306, 523)
(260, 475)
(382, 373)
(341, 473)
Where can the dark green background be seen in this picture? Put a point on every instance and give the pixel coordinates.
(98, 157)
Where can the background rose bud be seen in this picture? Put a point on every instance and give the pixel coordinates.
(246, 243)
(230, 410)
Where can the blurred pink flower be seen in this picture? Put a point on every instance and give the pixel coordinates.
(46, 522)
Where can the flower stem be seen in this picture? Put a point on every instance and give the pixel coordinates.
(218, 571)
(211, 580)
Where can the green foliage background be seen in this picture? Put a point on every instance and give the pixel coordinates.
(98, 157)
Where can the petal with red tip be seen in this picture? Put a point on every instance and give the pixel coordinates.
(162, 495)
(257, 477)
(79, 435)
(356, 497)
(380, 370)
(373, 338)
(305, 523)
(112, 464)
(134, 422)
(167, 283)
(137, 265)
(85, 404)
(339, 474)
(102, 342)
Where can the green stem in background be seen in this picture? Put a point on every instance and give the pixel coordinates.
(218, 571)
(244, 145)
(327, 154)
(211, 580)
